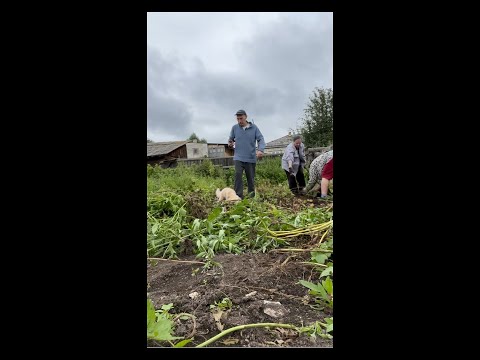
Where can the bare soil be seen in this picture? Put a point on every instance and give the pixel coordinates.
(271, 276)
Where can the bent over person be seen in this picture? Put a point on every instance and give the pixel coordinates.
(321, 172)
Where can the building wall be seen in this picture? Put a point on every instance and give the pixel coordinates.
(180, 153)
(165, 160)
(196, 150)
(219, 150)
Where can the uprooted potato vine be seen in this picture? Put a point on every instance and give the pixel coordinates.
(232, 228)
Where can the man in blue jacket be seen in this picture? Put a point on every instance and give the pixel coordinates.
(245, 135)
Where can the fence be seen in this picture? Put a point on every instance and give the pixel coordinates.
(227, 161)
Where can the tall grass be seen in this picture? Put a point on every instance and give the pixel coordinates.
(270, 169)
(205, 177)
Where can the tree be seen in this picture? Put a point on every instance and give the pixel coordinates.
(317, 127)
(195, 137)
(149, 141)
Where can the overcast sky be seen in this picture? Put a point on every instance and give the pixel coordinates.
(203, 67)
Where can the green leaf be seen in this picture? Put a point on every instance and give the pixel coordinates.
(328, 285)
(150, 313)
(319, 257)
(296, 223)
(329, 327)
(161, 330)
(238, 210)
(158, 329)
(182, 343)
(214, 214)
(322, 293)
(196, 224)
(155, 228)
(209, 226)
(327, 271)
(326, 336)
(182, 212)
(167, 307)
(312, 286)
(235, 217)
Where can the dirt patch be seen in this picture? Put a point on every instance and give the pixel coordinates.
(197, 205)
(301, 202)
(270, 277)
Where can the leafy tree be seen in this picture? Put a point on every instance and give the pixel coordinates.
(317, 126)
(195, 137)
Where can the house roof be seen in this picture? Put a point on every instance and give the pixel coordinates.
(283, 141)
(163, 148)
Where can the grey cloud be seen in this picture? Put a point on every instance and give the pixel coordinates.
(163, 73)
(279, 66)
(166, 114)
(292, 57)
(232, 91)
(288, 53)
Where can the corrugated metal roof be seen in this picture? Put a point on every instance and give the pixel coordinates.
(163, 148)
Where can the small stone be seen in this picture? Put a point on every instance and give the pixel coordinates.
(274, 309)
(194, 295)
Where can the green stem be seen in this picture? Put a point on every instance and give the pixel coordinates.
(312, 263)
(241, 327)
(318, 250)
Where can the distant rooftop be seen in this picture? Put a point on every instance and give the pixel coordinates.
(163, 148)
(283, 141)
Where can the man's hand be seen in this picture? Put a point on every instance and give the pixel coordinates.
(259, 154)
(290, 171)
(230, 144)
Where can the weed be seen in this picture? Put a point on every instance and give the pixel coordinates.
(322, 291)
(223, 305)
